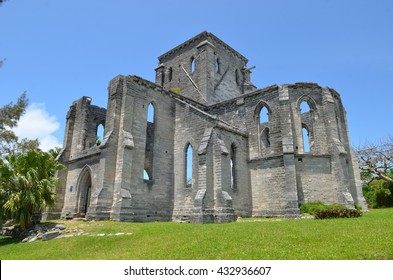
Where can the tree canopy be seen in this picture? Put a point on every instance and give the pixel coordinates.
(376, 165)
(28, 184)
(9, 117)
(376, 160)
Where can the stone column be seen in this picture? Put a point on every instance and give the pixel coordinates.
(292, 208)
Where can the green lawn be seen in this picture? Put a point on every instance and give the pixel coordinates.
(368, 237)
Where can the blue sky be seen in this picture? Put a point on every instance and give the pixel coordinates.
(59, 51)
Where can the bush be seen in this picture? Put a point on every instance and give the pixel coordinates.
(338, 213)
(313, 207)
(378, 194)
(358, 207)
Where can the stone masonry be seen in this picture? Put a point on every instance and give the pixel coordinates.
(255, 152)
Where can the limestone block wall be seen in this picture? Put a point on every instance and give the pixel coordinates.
(204, 69)
(254, 152)
(236, 182)
(140, 199)
(267, 178)
(314, 179)
(190, 133)
(82, 174)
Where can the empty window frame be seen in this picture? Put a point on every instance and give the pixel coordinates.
(188, 166)
(192, 62)
(150, 137)
(233, 167)
(306, 139)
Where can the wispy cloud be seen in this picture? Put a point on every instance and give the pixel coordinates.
(36, 123)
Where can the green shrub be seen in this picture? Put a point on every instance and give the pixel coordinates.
(338, 213)
(358, 207)
(313, 207)
(378, 194)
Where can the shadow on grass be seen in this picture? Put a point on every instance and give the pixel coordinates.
(4, 241)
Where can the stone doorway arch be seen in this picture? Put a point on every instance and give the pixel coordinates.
(84, 186)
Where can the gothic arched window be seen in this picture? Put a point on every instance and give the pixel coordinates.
(188, 166)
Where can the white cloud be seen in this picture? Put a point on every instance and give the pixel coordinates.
(36, 123)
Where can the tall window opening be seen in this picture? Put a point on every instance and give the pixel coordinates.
(307, 111)
(304, 107)
(263, 115)
(189, 166)
(192, 65)
(237, 78)
(162, 78)
(170, 72)
(145, 175)
(338, 123)
(265, 138)
(150, 136)
(150, 113)
(218, 66)
(100, 134)
(233, 172)
(264, 131)
(306, 139)
(84, 191)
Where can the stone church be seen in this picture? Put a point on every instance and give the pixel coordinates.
(203, 144)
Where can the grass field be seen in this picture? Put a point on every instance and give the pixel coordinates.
(368, 237)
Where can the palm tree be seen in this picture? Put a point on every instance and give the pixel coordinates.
(27, 185)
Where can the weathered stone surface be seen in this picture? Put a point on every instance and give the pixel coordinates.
(50, 235)
(34, 238)
(243, 164)
(60, 227)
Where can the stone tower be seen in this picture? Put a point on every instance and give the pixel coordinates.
(204, 69)
(203, 144)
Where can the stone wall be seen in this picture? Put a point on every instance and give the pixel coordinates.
(243, 164)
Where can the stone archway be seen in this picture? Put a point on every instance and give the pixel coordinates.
(84, 192)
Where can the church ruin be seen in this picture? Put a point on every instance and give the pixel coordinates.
(203, 144)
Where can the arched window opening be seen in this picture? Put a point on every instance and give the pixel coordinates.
(233, 172)
(150, 137)
(338, 124)
(84, 191)
(237, 78)
(306, 140)
(170, 72)
(304, 107)
(218, 66)
(162, 78)
(146, 175)
(189, 166)
(192, 65)
(263, 115)
(100, 134)
(265, 138)
(150, 113)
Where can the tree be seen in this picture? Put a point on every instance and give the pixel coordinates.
(9, 117)
(379, 193)
(376, 160)
(376, 164)
(27, 185)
